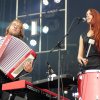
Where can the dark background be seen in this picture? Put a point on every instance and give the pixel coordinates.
(56, 22)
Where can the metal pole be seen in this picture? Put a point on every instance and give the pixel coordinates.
(16, 9)
(40, 38)
(65, 24)
(59, 74)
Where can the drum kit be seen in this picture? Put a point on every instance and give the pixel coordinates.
(88, 85)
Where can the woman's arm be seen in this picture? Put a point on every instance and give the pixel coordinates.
(80, 58)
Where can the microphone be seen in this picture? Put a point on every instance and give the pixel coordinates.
(81, 19)
(50, 70)
(91, 42)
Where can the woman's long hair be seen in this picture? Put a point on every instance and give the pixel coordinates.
(20, 35)
(95, 25)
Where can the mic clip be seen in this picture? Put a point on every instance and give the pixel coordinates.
(50, 72)
(79, 19)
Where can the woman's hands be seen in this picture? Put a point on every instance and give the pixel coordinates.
(28, 66)
(83, 61)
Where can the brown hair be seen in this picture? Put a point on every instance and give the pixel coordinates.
(20, 35)
(95, 25)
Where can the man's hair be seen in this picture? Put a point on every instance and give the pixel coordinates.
(20, 35)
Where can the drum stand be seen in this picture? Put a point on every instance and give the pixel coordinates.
(11, 97)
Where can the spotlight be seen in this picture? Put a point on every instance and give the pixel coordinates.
(33, 27)
(46, 2)
(25, 26)
(33, 42)
(57, 1)
(45, 29)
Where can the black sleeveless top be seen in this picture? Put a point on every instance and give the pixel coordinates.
(93, 56)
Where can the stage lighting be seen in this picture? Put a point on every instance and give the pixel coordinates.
(33, 27)
(46, 2)
(25, 26)
(57, 1)
(33, 42)
(45, 29)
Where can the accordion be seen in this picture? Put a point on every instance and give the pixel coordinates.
(13, 54)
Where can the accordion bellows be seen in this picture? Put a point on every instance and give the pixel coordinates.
(13, 53)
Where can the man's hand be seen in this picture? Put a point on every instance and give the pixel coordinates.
(28, 66)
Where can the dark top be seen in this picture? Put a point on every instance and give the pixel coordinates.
(93, 56)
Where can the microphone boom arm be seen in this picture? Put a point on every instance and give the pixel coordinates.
(58, 45)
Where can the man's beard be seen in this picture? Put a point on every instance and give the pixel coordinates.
(15, 35)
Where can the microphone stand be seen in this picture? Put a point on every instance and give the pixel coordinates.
(58, 45)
